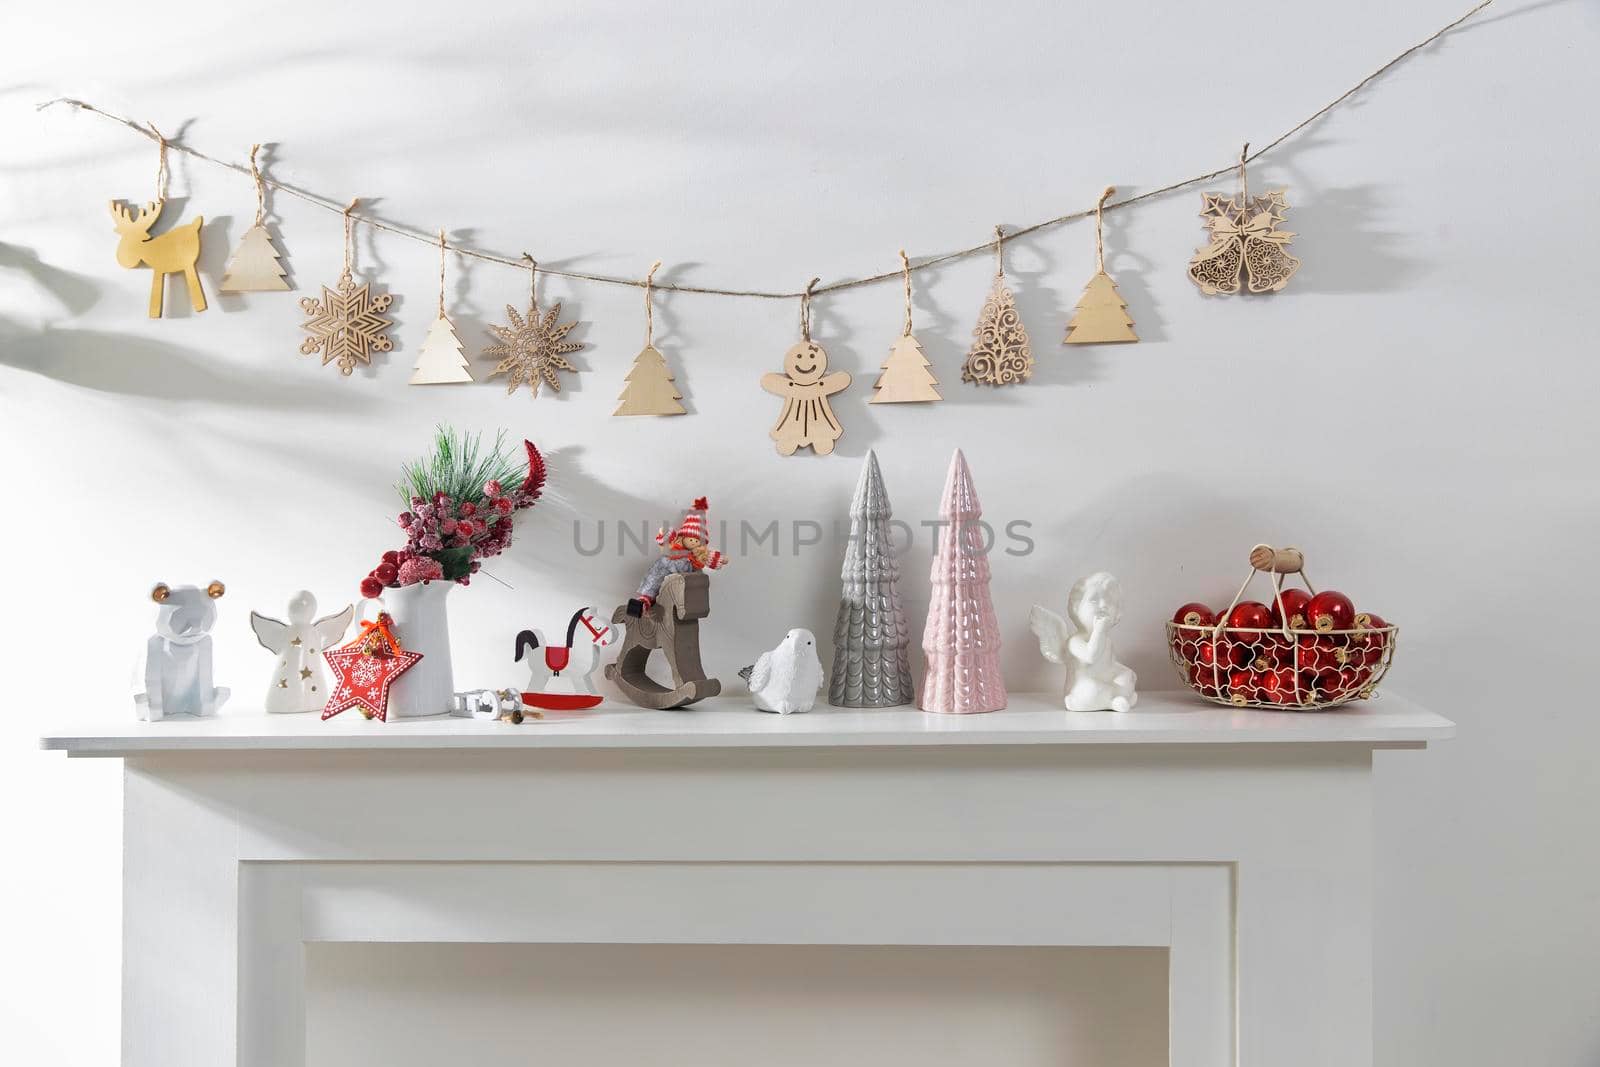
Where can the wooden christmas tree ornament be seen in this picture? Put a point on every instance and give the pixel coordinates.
(254, 267)
(173, 252)
(807, 419)
(906, 378)
(1245, 240)
(1101, 317)
(346, 325)
(648, 388)
(441, 361)
(533, 349)
(1000, 353)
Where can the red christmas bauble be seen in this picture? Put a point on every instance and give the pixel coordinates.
(1194, 615)
(1330, 610)
(1242, 686)
(1319, 651)
(1204, 679)
(1277, 686)
(1294, 605)
(1249, 618)
(1273, 650)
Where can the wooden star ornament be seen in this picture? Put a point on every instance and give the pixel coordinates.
(533, 349)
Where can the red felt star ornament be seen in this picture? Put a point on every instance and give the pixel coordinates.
(362, 679)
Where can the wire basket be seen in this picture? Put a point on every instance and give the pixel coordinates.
(1286, 666)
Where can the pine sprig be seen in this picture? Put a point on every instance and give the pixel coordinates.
(459, 467)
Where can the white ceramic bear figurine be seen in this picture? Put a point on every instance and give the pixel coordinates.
(1095, 680)
(176, 668)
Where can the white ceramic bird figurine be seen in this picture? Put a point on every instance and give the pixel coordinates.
(787, 679)
(1095, 680)
(298, 682)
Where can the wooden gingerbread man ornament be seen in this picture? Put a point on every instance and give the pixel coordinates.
(805, 385)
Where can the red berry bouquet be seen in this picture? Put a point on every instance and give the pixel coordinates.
(460, 503)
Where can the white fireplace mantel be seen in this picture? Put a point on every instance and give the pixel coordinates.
(1239, 841)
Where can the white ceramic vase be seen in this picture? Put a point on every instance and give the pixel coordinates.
(422, 624)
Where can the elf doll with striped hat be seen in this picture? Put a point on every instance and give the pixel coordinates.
(684, 550)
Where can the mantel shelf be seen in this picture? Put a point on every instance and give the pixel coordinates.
(730, 722)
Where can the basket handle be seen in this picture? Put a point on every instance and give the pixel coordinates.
(1274, 561)
(1277, 560)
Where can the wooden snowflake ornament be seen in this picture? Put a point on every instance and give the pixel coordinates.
(533, 349)
(1245, 241)
(346, 325)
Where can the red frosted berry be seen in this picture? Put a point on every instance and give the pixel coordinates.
(469, 508)
(392, 556)
(387, 572)
(371, 587)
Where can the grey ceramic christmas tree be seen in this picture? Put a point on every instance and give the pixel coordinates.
(871, 640)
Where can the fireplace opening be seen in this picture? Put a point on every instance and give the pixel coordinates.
(653, 1005)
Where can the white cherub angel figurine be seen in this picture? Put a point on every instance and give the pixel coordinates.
(298, 680)
(1095, 680)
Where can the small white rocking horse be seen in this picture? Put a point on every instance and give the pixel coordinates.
(563, 678)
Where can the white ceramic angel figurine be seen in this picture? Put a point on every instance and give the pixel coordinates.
(298, 681)
(1095, 680)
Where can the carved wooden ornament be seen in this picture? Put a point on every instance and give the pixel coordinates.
(807, 419)
(1000, 353)
(1245, 241)
(346, 325)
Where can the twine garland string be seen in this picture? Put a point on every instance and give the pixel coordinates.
(442, 247)
(999, 252)
(162, 174)
(905, 269)
(329, 204)
(805, 309)
(649, 305)
(1100, 229)
(533, 284)
(261, 188)
(349, 244)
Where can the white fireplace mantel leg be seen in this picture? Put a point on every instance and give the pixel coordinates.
(1250, 864)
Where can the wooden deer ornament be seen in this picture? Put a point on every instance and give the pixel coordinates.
(170, 253)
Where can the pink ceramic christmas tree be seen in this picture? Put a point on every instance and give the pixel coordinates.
(962, 636)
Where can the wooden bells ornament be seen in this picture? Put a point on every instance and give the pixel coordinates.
(906, 378)
(173, 252)
(648, 388)
(807, 419)
(533, 349)
(1101, 317)
(1245, 241)
(254, 266)
(441, 360)
(1000, 353)
(346, 325)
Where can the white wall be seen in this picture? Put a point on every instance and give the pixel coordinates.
(1416, 411)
